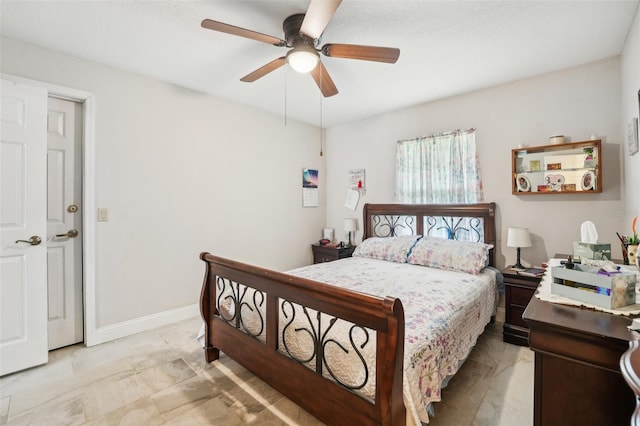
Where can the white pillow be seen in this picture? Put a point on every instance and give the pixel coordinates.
(451, 255)
(393, 249)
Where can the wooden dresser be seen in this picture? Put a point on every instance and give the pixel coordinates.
(577, 365)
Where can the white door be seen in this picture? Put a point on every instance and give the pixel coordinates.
(23, 208)
(64, 223)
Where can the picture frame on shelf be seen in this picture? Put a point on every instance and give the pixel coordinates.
(554, 166)
(588, 181)
(523, 184)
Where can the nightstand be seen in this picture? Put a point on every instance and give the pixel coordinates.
(327, 254)
(518, 290)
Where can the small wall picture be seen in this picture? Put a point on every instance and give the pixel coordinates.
(309, 178)
(356, 180)
(534, 165)
(632, 136)
(309, 188)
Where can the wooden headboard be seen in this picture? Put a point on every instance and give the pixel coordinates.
(465, 222)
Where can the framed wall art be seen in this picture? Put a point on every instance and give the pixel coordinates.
(309, 188)
(632, 136)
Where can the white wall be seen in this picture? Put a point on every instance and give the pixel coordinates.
(630, 83)
(181, 173)
(576, 102)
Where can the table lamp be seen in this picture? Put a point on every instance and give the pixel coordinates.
(518, 237)
(349, 228)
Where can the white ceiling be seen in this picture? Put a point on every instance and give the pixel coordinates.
(447, 47)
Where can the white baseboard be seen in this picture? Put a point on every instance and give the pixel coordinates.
(149, 322)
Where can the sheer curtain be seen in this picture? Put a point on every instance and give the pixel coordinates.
(439, 169)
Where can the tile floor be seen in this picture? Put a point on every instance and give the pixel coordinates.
(160, 377)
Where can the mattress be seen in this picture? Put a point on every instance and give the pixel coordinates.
(445, 312)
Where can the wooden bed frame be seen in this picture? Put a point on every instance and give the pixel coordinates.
(325, 399)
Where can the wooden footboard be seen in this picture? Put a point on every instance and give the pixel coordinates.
(262, 347)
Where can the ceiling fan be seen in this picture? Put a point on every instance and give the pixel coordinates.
(302, 34)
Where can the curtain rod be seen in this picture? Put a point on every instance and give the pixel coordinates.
(433, 135)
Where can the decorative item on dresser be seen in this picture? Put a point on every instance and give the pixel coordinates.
(331, 338)
(329, 253)
(518, 291)
(630, 244)
(577, 365)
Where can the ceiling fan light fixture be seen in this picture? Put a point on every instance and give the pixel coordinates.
(303, 59)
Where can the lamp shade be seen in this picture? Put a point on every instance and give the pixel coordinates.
(518, 237)
(303, 58)
(349, 225)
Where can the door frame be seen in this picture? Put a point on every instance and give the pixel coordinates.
(87, 99)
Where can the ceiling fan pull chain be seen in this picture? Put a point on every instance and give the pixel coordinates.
(321, 128)
(285, 98)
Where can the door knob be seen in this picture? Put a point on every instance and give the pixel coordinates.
(72, 233)
(34, 241)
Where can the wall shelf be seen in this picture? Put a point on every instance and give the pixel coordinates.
(568, 168)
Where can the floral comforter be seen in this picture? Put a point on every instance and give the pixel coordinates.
(445, 312)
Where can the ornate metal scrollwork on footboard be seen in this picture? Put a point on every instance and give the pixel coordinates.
(302, 338)
(244, 307)
(232, 300)
(321, 337)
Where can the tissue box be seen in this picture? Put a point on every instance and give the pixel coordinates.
(591, 251)
(585, 284)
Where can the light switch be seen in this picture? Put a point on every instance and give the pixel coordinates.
(103, 215)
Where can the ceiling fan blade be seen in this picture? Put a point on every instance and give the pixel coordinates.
(242, 32)
(318, 16)
(323, 80)
(365, 53)
(264, 70)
